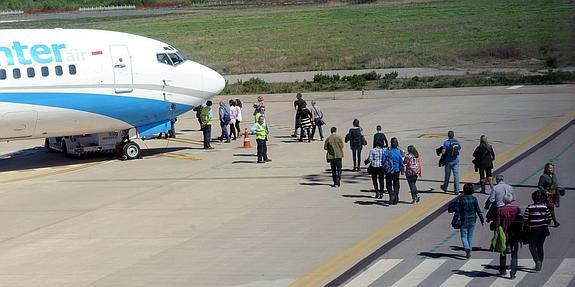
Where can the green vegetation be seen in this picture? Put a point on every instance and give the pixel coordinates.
(372, 81)
(463, 33)
(67, 4)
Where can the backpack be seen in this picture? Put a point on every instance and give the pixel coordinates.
(454, 148)
(387, 163)
(412, 165)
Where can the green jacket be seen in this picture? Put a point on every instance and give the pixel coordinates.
(334, 147)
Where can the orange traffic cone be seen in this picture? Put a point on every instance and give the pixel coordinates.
(247, 143)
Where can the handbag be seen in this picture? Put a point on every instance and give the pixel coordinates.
(370, 169)
(363, 141)
(456, 221)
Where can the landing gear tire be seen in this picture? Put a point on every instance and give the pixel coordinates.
(48, 148)
(131, 150)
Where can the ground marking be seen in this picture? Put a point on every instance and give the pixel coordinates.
(419, 273)
(505, 281)
(462, 276)
(515, 87)
(563, 275)
(373, 273)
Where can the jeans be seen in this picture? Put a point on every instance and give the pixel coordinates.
(411, 180)
(377, 177)
(225, 135)
(514, 246)
(262, 150)
(207, 132)
(392, 186)
(305, 132)
(452, 166)
(335, 165)
(466, 232)
(356, 155)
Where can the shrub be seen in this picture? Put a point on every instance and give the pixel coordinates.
(255, 85)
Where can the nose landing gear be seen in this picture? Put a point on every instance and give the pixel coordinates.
(130, 150)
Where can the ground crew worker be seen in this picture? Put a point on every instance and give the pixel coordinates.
(206, 120)
(260, 129)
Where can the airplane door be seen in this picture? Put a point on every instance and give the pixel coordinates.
(18, 124)
(123, 80)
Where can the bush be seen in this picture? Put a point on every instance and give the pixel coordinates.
(255, 85)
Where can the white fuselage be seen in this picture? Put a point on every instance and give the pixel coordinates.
(59, 82)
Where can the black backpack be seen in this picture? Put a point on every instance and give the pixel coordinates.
(454, 148)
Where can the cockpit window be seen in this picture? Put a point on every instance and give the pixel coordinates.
(164, 59)
(176, 58)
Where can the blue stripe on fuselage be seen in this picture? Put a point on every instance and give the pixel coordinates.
(132, 110)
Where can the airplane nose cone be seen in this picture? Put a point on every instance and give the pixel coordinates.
(213, 82)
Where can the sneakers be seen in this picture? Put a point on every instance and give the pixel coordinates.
(443, 187)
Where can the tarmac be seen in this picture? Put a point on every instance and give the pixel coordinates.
(183, 216)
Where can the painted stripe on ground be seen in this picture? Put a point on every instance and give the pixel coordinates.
(466, 273)
(373, 273)
(419, 273)
(515, 87)
(505, 281)
(563, 275)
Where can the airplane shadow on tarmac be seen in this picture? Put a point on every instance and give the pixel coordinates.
(38, 157)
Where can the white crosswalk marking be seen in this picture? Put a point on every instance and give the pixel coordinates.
(462, 276)
(419, 273)
(373, 273)
(505, 281)
(563, 275)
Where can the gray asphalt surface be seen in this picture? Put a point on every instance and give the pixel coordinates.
(438, 240)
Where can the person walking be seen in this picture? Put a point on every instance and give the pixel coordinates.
(356, 142)
(259, 105)
(206, 124)
(224, 113)
(379, 138)
(234, 111)
(495, 199)
(317, 120)
(305, 124)
(261, 130)
(483, 162)
(375, 161)
(334, 147)
(536, 219)
(548, 186)
(392, 177)
(510, 219)
(413, 166)
(239, 118)
(198, 111)
(298, 105)
(451, 149)
(468, 212)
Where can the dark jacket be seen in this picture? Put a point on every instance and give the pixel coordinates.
(354, 138)
(483, 157)
(379, 139)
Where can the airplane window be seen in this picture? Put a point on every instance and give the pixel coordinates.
(72, 69)
(45, 71)
(16, 73)
(59, 71)
(164, 59)
(31, 72)
(176, 59)
(2, 74)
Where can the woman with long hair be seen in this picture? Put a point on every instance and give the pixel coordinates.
(536, 220)
(413, 165)
(548, 186)
(468, 211)
(483, 162)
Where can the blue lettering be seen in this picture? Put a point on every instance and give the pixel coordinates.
(8, 55)
(20, 53)
(38, 51)
(41, 54)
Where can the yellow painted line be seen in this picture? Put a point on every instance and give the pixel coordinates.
(188, 141)
(57, 172)
(336, 265)
(180, 156)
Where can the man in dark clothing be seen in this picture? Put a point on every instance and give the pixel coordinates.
(379, 138)
(299, 104)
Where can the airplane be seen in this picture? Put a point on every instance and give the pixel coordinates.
(87, 90)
